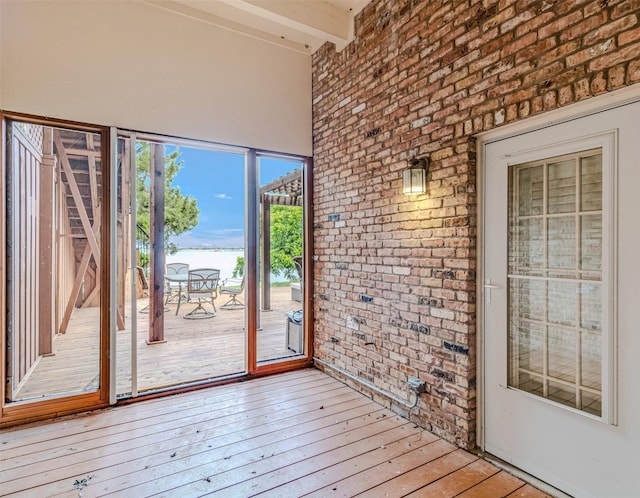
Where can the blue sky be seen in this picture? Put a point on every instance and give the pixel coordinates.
(216, 180)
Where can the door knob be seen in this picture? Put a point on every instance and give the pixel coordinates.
(488, 285)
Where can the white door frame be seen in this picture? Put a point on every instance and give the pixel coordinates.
(593, 105)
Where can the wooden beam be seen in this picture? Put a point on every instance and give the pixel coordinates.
(89, 152)
(94, 292)
(46, 212)
(93, 175)
(156, 233)
(282, 200)
(294, 176)
(77, 197)
(77, 284)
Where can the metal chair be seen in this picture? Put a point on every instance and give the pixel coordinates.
(232, 287)
(202, 288)
(173, 290)
(142, 285)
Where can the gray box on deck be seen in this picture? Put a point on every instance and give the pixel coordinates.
(294, 331)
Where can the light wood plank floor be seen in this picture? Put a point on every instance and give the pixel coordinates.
(194, 349)
(295, 434)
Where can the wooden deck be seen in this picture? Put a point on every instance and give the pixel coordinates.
(194, 349)
(294, 434)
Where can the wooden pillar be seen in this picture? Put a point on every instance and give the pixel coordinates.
(123, 230)
(46, 210)
(156, 233)
(266, 253)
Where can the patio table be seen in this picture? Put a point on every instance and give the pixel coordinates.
(178, 278)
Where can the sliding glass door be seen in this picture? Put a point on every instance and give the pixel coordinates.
(53, 231)
(185, 265)
(280, 331)
(189, 271)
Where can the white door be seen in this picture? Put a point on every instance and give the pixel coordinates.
(561, 307)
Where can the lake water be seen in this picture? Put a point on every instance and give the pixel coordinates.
(223, 259)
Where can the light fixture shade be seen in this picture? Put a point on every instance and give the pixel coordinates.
(414, 178)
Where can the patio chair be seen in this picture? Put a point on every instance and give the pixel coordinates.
(232, 287)
(296, 287)
(173, 290)
(142, 287)
(202, 288)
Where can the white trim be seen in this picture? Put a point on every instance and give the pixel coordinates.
(591, 106)
(134, 263)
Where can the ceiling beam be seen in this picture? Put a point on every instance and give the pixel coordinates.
(221, 22)
(318, 18)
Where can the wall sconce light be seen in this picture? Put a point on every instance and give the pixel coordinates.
(414, 178)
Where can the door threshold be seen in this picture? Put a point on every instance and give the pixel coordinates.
(522, 475)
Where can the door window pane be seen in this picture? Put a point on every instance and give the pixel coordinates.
(591, 183)
(54, 226)
(530, 191)
(591, 243)
(281, 326)
(555, 262)
(561, 243)
(561, 187)
(198, 334)
(530, 249)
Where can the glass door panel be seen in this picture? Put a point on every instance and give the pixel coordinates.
(189, 311)
(280, 327)
(54, 203)
(555, 280)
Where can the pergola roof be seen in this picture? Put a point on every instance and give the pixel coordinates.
(284, 191)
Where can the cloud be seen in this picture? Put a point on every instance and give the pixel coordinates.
(223, 196)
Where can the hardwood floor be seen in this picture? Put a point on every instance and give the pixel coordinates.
(295, 434)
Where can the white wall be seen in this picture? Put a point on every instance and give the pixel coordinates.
(132, 65)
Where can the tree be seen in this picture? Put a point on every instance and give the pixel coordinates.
(286, 242)
(180, 211)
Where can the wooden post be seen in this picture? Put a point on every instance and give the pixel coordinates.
(46, 324)
(266, 253)
(156, 233)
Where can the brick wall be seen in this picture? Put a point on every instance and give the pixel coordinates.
(395, 292)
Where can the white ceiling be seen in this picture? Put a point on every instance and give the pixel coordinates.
(300, 25)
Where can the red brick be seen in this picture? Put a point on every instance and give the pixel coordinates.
(589, 24)
(624, 8)
(518, 44)
(565, 95)
(559, 25)
(428, 82)
(559, 53)
(534, 23)
(598, 84)
(628, 37)
(625, 54)
(534, 51)
(616, 78)
(633, 74)
(610, 30)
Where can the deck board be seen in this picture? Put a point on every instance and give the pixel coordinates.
(293, 434)
(194, 349)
